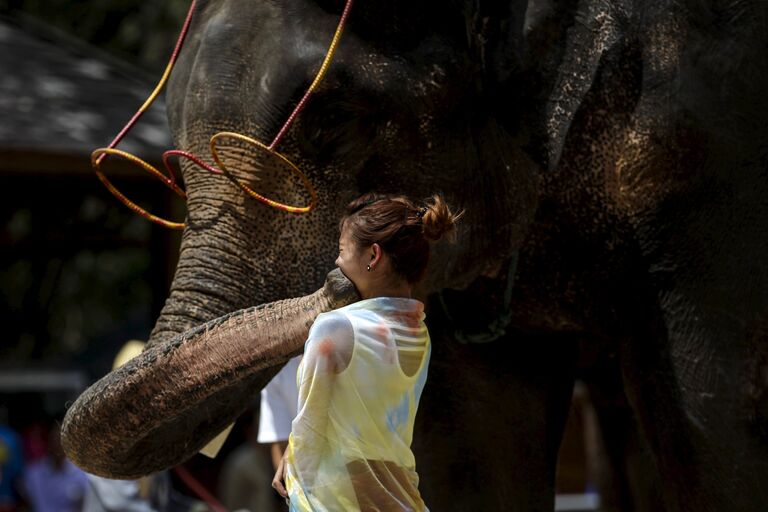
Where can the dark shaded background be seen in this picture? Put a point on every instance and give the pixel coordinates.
(141, 32)
(80, 274)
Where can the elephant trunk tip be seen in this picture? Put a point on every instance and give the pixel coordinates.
(340, 290)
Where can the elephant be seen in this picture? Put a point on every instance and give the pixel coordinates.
(612, 162)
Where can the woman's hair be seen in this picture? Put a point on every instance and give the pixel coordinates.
(402, 227)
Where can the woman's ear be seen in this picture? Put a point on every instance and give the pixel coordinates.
(376, 254)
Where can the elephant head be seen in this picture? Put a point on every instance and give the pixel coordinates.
(394, 114)
(421, 98)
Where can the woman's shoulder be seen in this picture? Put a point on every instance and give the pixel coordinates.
(334, 324)
(331, 339)
(337, 317)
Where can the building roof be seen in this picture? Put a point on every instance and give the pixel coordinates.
(62, 98)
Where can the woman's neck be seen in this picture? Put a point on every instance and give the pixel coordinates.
(401, 290)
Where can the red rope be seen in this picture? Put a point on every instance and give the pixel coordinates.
(318, 77)
(198, 489)
(169, 67)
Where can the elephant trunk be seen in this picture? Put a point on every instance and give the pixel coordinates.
(163, 406)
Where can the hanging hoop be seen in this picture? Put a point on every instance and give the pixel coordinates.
(97, 158)
(278, 159)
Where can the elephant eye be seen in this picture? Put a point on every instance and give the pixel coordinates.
(334, 125)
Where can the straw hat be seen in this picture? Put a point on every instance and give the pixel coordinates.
(131, 349)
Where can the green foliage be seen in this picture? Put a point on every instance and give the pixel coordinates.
(139, 31)
(75, 268)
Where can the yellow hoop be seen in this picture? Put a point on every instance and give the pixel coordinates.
(248, 190)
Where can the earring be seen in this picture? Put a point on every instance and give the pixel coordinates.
(368, 268)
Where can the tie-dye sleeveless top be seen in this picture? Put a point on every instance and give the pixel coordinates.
(360, 381)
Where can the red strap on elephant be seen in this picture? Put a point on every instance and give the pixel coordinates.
(274, 159)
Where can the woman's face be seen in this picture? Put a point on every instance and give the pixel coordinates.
(353, 261)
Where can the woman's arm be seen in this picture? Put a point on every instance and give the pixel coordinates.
(278, 482)
(327, 352)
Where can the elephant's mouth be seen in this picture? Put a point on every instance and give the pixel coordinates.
(163, 406)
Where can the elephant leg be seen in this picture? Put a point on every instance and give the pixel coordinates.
(620, 462)
(490, 422)
(694, 375)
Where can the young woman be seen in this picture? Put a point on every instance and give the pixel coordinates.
(365, 366)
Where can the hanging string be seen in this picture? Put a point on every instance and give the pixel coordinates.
(319, 77)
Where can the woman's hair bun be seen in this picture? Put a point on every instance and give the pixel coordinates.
(438, 220)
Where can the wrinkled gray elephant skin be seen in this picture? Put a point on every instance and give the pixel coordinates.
(611, 155)
(164, 405)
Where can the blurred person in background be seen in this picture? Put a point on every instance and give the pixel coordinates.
(11, 464)
(242, 485)
(34, 440)
(279, 400)
(53, 483)
(148, 494)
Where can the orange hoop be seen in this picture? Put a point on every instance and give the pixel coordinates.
(97, 157)
(252, 193)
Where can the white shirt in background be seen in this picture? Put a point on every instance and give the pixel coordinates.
(279, 402)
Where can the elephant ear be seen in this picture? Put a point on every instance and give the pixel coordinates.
(566, 42)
